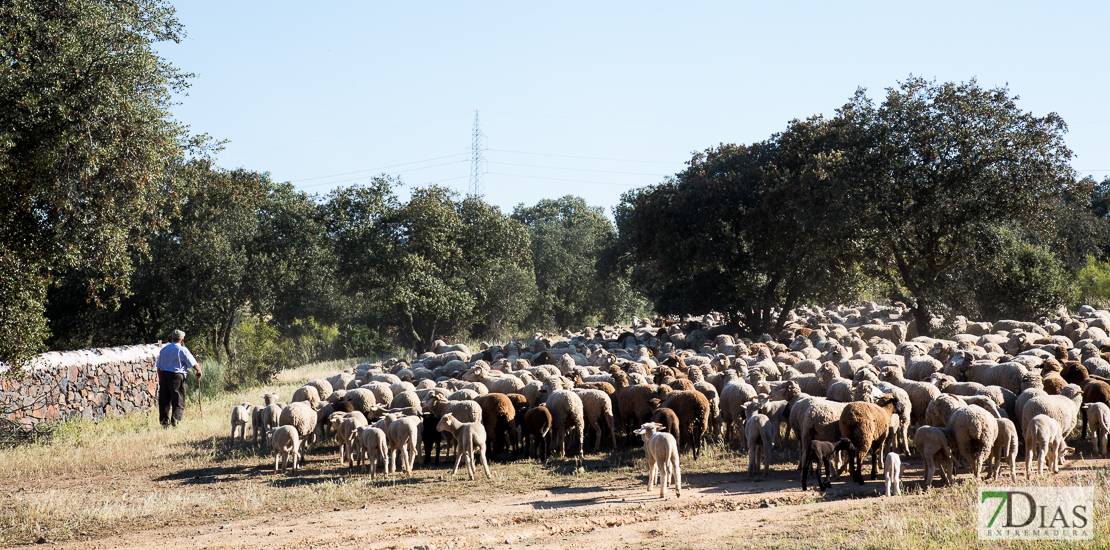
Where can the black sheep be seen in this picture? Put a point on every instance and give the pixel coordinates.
(821, 452)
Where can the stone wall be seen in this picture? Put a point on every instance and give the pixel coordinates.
(90, 383)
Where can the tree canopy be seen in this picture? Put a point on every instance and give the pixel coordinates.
(86, 143)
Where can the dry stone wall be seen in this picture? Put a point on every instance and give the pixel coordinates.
(90, 384)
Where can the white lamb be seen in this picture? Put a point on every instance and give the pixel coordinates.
(892, 470)
(284, 441)
(661, 451)
(240, 414)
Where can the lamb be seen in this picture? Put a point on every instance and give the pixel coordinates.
(307, 394)
(239, 415)
(1005, 449)
(661, 452)
(259, 423)
(498, 418)
(820, 453)
(760, 437)
(303, 417)
(566, 414)
(1098, 416)
(866, 425)
(932, 443)
(284, 441)
(599, 412)
(892, 471)
(1063, 408)
(692, 409)
(373, 447)
(1044, 438)
(346, 427)
(403, 434)
(472, 439)
(537, 425)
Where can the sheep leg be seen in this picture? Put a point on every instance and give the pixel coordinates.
(612, 433)
(485, 465)
(663, 482)
(458, 459)
(677, 476)
(651, 472)
(766, 458)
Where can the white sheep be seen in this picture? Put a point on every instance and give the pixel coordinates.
(1098, 417)
(760, 436)
(1044, 439)
(472, 439)
(661, 451)
(403, 434)
(566, 414)
(373, 448)
(305, 419)
(892, 473)
(1005, 449)
(284, 441)
(1064, 408)
(598, 410)
(240, 414)
(932, 443)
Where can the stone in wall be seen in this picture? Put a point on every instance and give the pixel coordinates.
(89, 384)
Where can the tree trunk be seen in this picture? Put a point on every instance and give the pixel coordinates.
(921, 317)
(216, 346)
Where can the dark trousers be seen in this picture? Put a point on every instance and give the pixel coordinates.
(171, 397)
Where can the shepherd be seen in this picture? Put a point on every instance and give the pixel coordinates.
(173, 363)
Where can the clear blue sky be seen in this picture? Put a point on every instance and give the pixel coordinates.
(593, 99)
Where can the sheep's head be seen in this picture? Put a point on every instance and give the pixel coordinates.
(649, 429)
(786, 391)
(446, 422)
(845, 444)
(1073, 392)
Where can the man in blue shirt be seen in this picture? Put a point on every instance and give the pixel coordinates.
(173, 363)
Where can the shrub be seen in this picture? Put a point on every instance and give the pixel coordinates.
(260, 353)
(1094, 283)
(362, 341)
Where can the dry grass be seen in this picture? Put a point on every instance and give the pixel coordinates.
(127, 474)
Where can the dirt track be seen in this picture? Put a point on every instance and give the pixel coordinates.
(711, 512)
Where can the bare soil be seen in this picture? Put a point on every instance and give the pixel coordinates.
(715, 511)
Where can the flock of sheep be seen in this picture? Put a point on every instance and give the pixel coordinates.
(847, 382)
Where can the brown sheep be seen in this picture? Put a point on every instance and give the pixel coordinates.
(668, 419)
(634, 405)
(536, 425)
(866, 426)
(498, 414)
(692, 409)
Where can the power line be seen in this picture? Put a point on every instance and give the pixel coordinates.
(563, 179)
(376, 169)
(577, 169)
(579, 157)
(350, 135)
(399, 172)
(641, 121)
